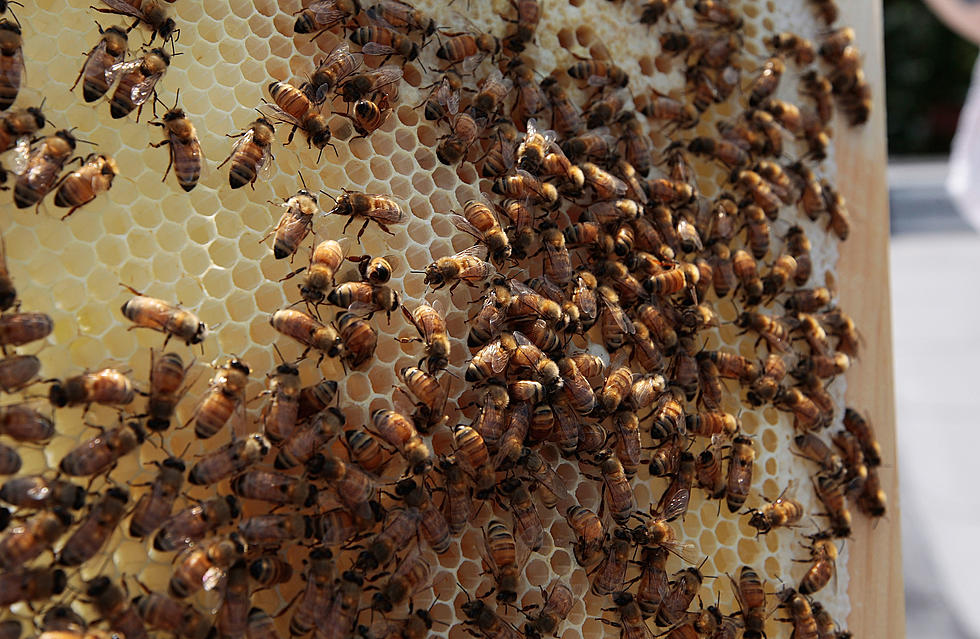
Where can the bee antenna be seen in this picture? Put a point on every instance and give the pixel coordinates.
(329, 196)
(301, 179)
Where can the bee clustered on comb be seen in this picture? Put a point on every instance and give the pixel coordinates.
(624, 247)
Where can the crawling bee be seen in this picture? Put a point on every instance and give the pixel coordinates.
(38, 170)
(469, 266)
(110, 50)
(137, 81)
(469, 48)
(369, 115)
(294, 225)
(225, 395)
(107, 386)
(11, 63)
(431, 326)
(251, 156)
(186, 157)
(158, 315)
(480, 221)
(380, 209)
(150, 12)
(296, 107)
(323, 15)
(99, 454)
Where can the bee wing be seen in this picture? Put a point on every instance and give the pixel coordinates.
(677, 504)
(119, 69)
(464, 225)
(585, 301)
(124, 8)
(242, 141)
(13, 69)
(531, 180)
(143, 90)
(386, 80)
(272, 111)
(498, 356)
(478, 251)
(373, 48)
(598, 80)
(22, 155)
(265, 165)
(520, 288)
(325, 12)
(471, 63)
(622, 321)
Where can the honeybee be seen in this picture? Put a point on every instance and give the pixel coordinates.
(598, 73)
(186, 157)
(137, 81)
(411, 576)
(302, 444)
(784, 511)
(230, 459)
(557, 604)
(251, 155)
(110, 50)
(605, 185)
(840, 218)
(96, 529)
(37, 170)
(801, 614)
(315, 399)
(431, 326)
(709, 470)
(712, 423)
(107, 386)
(400, 527)
(163, 613)
(807, 300)
(319, 580)
(323, 15)
(747, 271)
(326, 259)
(34, 491)
(150, 12)
(500, 553)
(202, 565)
(500, 156)
(589, 533)
(31, 584)
(766, 387)
(533, 148)
(276, 488)
(676, 499)
(610, 574)
(154, 505)
(17, 128)
(527, 522)
(332, 71)
(595, 145)
(11, 63)
(489, 623)
(522, 185)
(294, 225)
(458, 505)
(683, 588)
(167, 318)
(23, 543)
(430, 408)
(469, 266)
(359, 339)
(226, 394)
(307, 331)
(17, 329)
(366, 451)
(192, 524)
(10, 461)
(376, 39)
(620, 500)
(823, 552)
(114, 607)
(774, 331)
(468, 48)
(739, 480)
(398, 430)
(480, 221)
(61, 618)
(464, 130)
(369, 115)
(295, 106)
(657, 106)
(872, 500)
(830, 492)
(489, 99)
(272, 531)
(380, 209)
(231, 619)
(751, 596)
(728, 153)
(557, 263)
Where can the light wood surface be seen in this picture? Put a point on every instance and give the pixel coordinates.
(875, 565)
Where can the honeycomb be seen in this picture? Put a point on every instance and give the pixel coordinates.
(204, 249)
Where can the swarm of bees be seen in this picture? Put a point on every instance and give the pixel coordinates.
(590, 404)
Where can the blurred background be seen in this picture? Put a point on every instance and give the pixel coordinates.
(935, 254)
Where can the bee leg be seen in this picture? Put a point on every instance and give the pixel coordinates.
(70, 211)
(363, 228)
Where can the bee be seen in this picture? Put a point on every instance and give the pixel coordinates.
(411, 576)
(186, 157)
(660, 328)
(534, 147)
(766, 387)
(365, 451)
(491, 420)
(709, 470)
(657, 106)
(323, 15)
(431, 326)
(432, 523)
(806, 413)
(557, 604)
(294, 225)
(273, 487)
(10, 461)
(872, 500)
(467, 266)
(251, 155)
(359, 339)
(107, 386)
(801, 614)
(430, 408)
(490, 624)
(11, 63)
(528, 16)
(36, 535)
(34, 491)
(668, 416)
(767, 82)
(513, 436)
(807, 300)
(531, 99)
(94, 531)
(468, 48)
(605, 185)
(369, 115)
(398, 430)
(31, 584)
(751, 596)
(163, 613)
(595, 145)
(620, 500)
(355, 489)
(319, 581)
(315, 399)
(464, 130)
(110, 50)
(861, 429)
(231, 619)
(40, 169)
(840, 218)
(566, 119)
(17, 329)
(830, 492)
(527, 522)
(724, 151)
(771, 330)
(399, 528)
(137, 81)
(479, 220)
(272, 531)
(589, 533)
(230, 459)
(766, 203)
(308, 331)
(489, 99)
(154, 505)
(610, 574)
(545, 478)
(326, 259)
(167, 374)
(683, 588)
(167, 318)
(202, 566)
(296, 107)
(500, 554)
(739, 480)
(458, 505)
(337, 66)
(61, 618)
(823, 552)
(225, 395)
(500, 156)
(17, 129)
(782, 512)
(380, 209)
(599, 73)
(747, 271)
(114, 607)
(676, 499)
(150, 12)
(819, 89)
(192, 524)
(376, 39)
(712, 423)
(814, 449)
(578, 391)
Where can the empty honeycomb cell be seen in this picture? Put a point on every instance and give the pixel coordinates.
(381, 168)
(771, 466)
